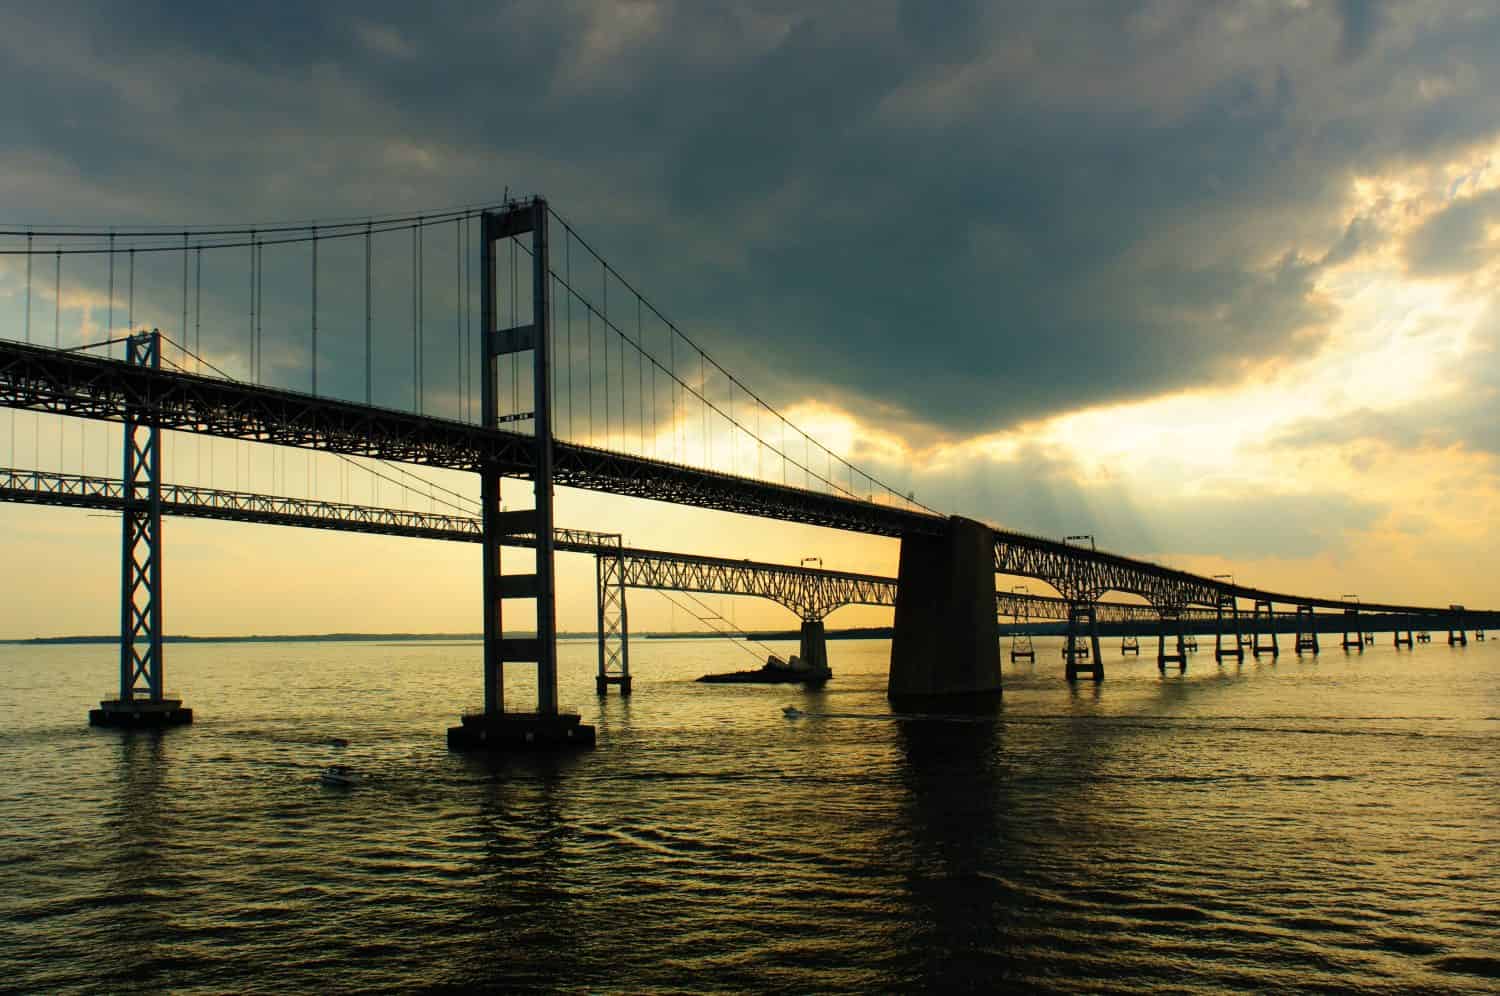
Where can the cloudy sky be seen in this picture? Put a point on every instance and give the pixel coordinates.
(1214, 282)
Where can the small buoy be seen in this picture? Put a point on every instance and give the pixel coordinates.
(339, 742)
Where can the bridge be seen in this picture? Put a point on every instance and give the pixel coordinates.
(696, 436)
(812, 593)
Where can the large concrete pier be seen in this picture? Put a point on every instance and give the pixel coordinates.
(945, 650)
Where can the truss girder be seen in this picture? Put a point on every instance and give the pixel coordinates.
(1085, 575)
(42, 379)
(804, 590)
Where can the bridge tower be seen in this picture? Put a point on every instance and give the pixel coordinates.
(512, 635)
(614, 620)
(1307, 631)
(1170, 618)
(1256, 647)
(141, 700)
(1227, 605)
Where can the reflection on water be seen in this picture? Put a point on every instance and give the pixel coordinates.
(1301, 822)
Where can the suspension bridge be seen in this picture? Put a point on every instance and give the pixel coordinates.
(523, 356)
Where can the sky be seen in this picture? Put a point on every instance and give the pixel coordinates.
(1214, 283)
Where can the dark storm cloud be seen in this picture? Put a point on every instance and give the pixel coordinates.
(1359, 21)
(962, 214)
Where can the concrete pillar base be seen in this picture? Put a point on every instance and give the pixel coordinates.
(139, 714)
(814, 647)
(946, 645)
(520, 732)
(603, 681)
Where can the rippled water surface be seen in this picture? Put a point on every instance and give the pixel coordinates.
(1327, 823)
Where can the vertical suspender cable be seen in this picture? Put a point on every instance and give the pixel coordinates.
(28, 286)
(458, 312)
(57, 335)
(609, 439)
(198, 340)
(515, 369)
(260, 319)
(414, 399)
(641, 380)
(676, 430)
(315, 310)
(198, 306)
(109, 321)
(252, 325)
(183, 330)
(588, 315)
(130, 299)
(367, 313)
(568, 271)
(421, 313)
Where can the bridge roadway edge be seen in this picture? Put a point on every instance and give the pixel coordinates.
(945, 648)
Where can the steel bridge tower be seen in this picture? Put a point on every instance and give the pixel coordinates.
(512, 635)
(142, 700)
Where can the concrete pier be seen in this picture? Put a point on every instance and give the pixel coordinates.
(141, 713)
(814, 645)
(520, 731)
(946, 646)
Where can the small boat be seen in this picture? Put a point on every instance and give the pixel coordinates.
(338, 742)
(337, 774)
(792, 712)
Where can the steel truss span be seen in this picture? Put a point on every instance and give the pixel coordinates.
(812, 593)
(43, 379)
(1084, 575)
(70, 383)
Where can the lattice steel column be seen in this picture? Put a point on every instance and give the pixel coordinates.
(142, 700)
(1021, 645)
(614, 621)
(1083, 613)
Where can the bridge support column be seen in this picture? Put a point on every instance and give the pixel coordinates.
(494, 728)
(141, 701)
(1352, 626)
(1021, 645)
(1083, 613)
(1457, 636)
(1227, 606)
(945, 649)
(1170, 619)
(1404, 641)
(614, 622)
(1307, 631)
(814, 646)
(1256, 647)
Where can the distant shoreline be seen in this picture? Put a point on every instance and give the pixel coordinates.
(849, 634)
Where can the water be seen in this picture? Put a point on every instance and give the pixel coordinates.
(1324, 823)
